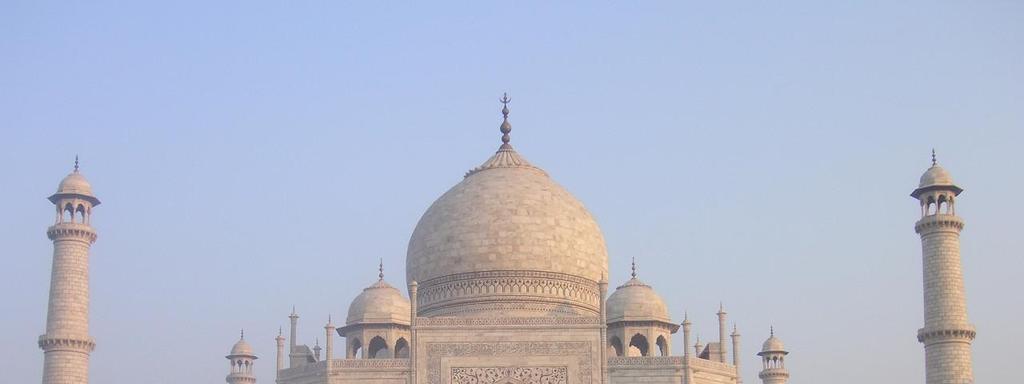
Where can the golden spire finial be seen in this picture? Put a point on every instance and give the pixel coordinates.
(380, 269)
(506, 127)
(634, 267)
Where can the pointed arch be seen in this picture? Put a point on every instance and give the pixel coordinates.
(615, 346)
(401, 348)
(355, 347)
(378, 348)
(662, 344)
(638, 346)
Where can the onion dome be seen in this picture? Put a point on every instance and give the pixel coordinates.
(773, 345)
(936, 177)
(75, 185)
(379, 303)
(241, 348)
(507, 219)
(636, 301)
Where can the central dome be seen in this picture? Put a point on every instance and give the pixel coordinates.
(507, 241)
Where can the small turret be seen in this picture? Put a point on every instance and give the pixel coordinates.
(242, 359)
(280, 352)
(773, 357)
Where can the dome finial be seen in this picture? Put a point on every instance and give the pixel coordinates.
(934, 161)
(634, 267)
(506, 127)
(772, 329)
(243, 334)
(76, 163)
(380, 269)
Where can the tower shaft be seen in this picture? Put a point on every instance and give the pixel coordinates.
(280, 355)
(66, 343)
(721, 335)
(947, 333)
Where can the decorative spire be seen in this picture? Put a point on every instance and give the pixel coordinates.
(243, 334)
(76, 163)
(380, 269)
(280, 331)
(721, 308)
(634, 267)
(934, 161)
(772, 329)
(506, 127)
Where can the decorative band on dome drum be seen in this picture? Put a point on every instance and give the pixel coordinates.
(508, 286)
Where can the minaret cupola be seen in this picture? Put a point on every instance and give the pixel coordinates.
(242, 359)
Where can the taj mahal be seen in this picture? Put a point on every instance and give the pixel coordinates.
(506, 282)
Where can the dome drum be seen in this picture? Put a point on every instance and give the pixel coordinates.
(504, 292)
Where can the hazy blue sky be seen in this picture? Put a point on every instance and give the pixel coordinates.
(252, 156)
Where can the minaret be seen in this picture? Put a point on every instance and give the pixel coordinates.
(242, 360)
(736, 352)
(329, 331)
(947, 334)
(293, 359)
(413, 342)
(773, 357)
(280, 352)
(687, 325)
(66, 344)
(721, 333)
(698, 347)
(602, 288)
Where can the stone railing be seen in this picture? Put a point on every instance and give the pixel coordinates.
(667, 361)
(645, 361)
(370, 364)
(319, 367)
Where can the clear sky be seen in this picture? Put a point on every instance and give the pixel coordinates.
(251, 156)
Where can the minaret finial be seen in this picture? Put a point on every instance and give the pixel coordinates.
(934, 161)
(634, 267)
(772, 329)
(380, 269)
(506, 127)
(76, 163)
(280, 331)
(243, 334)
